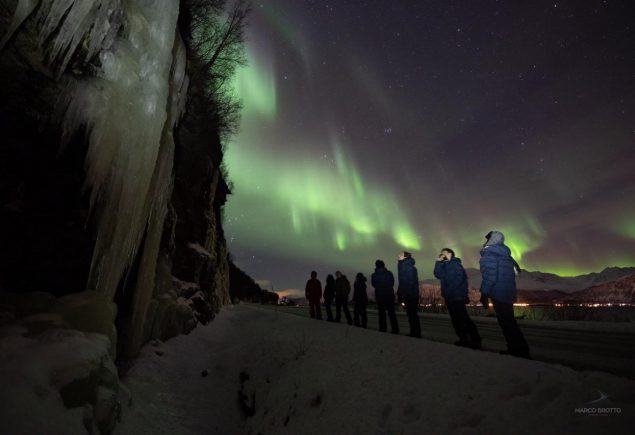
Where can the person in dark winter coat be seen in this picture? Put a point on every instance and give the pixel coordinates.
(383, 282)
(329, 295)
(360, 299)
(408, 291)
(313, 293)
(499, 269)
(342, 290)
(454, 289)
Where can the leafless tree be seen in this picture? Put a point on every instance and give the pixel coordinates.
(216, 38)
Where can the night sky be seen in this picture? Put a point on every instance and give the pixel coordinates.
(370, 127)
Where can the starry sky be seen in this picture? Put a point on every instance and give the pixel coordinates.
(370, 127)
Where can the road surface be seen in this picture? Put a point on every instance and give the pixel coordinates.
(580, 345)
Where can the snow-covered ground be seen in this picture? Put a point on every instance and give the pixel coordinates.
(45, 366)
(255, 370)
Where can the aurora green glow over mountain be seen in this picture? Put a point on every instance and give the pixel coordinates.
(370, 130)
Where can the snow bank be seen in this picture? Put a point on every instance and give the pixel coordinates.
(55, 380)
(261, 371)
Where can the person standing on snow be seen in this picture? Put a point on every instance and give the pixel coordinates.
(383, 282)
(313, 293)
(342, 290)
(408, 291)
(329, 295)
(449, 270)
(498, 269)
(360, 299)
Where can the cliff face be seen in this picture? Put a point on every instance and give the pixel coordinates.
(111, 166)
(111, 187)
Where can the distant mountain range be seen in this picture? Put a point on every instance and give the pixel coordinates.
(528, 280)
(620, 291)
(612, 285)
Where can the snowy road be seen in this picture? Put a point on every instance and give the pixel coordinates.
(581, 345)
(256, 370)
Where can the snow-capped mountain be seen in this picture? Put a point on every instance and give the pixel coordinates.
(535, 280)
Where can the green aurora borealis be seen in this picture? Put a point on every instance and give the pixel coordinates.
(330, 171)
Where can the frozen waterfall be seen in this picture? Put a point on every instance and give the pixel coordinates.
(129, 106)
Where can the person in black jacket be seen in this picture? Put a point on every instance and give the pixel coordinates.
(383, 282)
(454, 289)
(360, 299)
(342, 290)
(329, 295)
(408, 291)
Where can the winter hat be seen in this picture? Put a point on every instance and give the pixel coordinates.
(494, 238)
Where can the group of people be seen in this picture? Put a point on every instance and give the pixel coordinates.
(498, 269)
(338, 288)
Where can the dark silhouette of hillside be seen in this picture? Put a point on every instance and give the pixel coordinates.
(242, 287)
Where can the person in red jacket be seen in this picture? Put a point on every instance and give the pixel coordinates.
(313, 293)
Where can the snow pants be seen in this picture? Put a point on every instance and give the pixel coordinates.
(463, 326)
(342, 304)
(359, 315)
(327, 308)
(387, 305)
(412, 305)
(516, 343)
(314, 309)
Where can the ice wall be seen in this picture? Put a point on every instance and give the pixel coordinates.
(129, 106)
(161, 188)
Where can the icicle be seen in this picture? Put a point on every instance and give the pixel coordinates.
(75, 21)
(180, 81)
(68, 23)
(129, 110)
(23, 9)
(160, 188)
(129, 159)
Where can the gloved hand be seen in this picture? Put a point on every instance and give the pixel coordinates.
(484, 300)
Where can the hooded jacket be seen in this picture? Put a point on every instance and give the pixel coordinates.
(497, 269)
(383, 282)
(342, 287)
(360, 297)
(329, 290)
(453, 279)
(408, 278)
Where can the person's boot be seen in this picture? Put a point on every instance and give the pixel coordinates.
(462, 343)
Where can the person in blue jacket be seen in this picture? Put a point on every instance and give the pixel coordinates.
(498, 270)
(383, 281)
(449, 269)
(408, 291)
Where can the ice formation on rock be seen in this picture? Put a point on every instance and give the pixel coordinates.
(129, 107)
